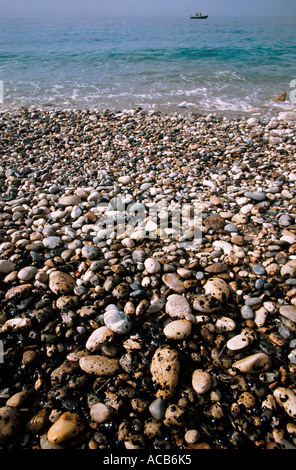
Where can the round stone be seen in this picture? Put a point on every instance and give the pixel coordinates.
(206, 303)
(225, 324)
(116, 320)
(6, 266)
(174, 416)
(259, 270)
(201, 381)
(100, 413)
(218, 288)
(177, 306)
(237, 342)
(178, 329)
(90, 252)
(51, 242)
(27, 273)
(61, 283)
(152, 265)
(10, 422)
(174, 282)
(100, 336)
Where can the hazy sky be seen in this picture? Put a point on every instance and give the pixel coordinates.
(99, 8)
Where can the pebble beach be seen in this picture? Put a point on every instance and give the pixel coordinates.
(117, 339)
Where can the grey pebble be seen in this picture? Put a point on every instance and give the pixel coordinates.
(157, 408)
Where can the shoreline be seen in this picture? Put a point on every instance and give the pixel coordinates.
(124, 340)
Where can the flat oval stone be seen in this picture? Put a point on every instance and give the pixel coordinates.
(152, 265)
(99, 365)
(51, 242)
(66, 302)
(174, 282)
(288, 311)
(217, 288)
(125, 179)
(206, 303)
(6, 266)
(90, 252)
(225, 324)
(237, 342)
(16, 292)
(16, 323)
(286, 398)
(258, 362)
(178, 329)
(165, 368)
(177, 306)
(259, 270)
(201, 381)
(70, 200)
(100, 336)
(68, 425)
(216, 268)
(116, 320)
(255, 195)
(61, 283)
(27, 273)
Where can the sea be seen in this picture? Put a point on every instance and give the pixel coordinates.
(219, 65)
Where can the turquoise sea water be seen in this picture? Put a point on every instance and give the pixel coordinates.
(214, 65)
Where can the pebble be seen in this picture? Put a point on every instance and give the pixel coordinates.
(100, 413)
(116, 320)
(6, 266)
(68, 425)
(286, 398)
(288, 311)
(206, 303)
(237, 342)
(255, 195)
(177, 306)
(165, 368)
(255, 363)
(27, 273)
(201, 381)
(178, 329)
(99, 365)
(174, 416)
(61, 283)
(90, 252)
(152, 265)
(157, 408)
(174, 282)
(225, 324)
(98, 337)
(51, 242)
(259, 270)
(10, 423)
(218, 288)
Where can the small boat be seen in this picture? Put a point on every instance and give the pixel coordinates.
(198, 16)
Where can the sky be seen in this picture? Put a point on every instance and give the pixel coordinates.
(100, 8)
